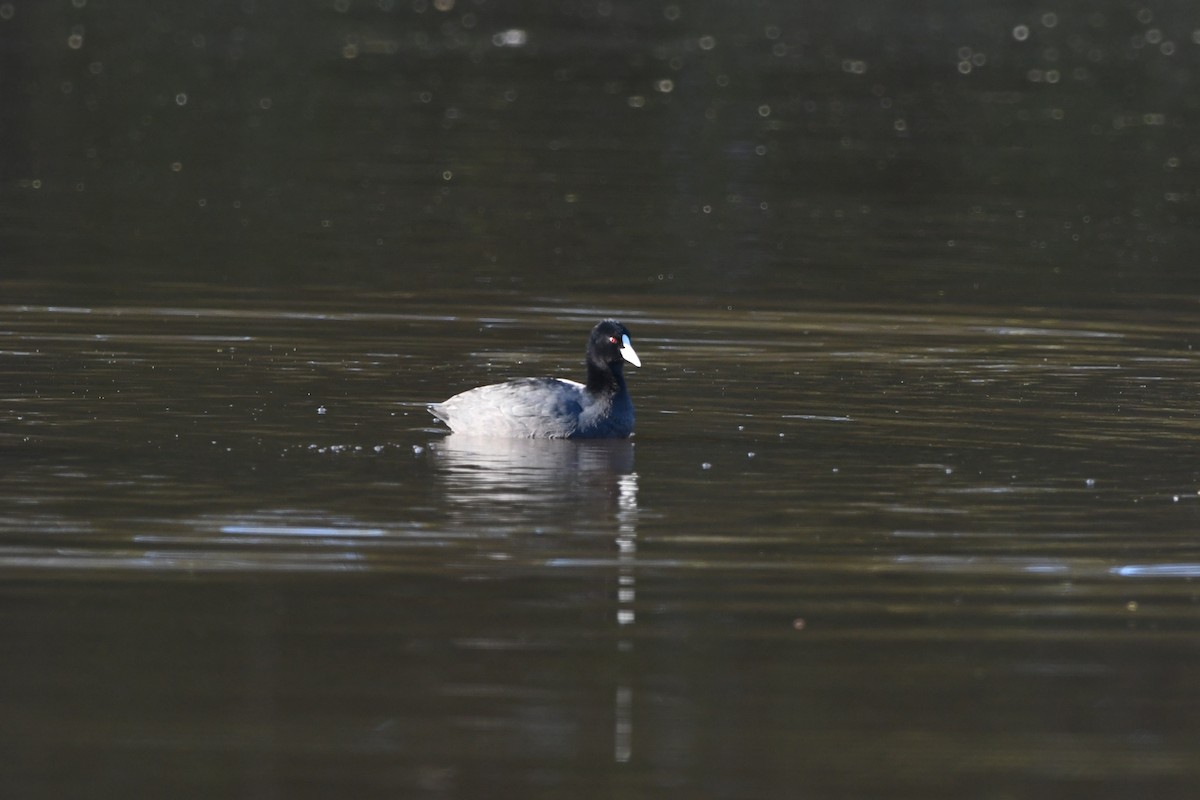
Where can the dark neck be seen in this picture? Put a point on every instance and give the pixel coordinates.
(605, 380)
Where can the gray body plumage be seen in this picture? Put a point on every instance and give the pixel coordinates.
(553, 408)
(537, 408)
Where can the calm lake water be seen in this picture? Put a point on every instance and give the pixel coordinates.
(912, 505)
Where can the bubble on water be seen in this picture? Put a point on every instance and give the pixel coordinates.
(706, 465)
(321, 410)
(741, 427)
(1020, 32)
(1090, 483)
(751, 454)
(378, 448)
(417, 449)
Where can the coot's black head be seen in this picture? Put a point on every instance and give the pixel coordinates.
(609, 346)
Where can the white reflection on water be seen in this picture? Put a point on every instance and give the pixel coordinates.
(590, 484)
(296, 530)
(520, 483)
(626, 615)
(1158, 571)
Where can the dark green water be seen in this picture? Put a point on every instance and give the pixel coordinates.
(911, 510)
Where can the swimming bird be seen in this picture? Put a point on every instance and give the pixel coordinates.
(554, 408)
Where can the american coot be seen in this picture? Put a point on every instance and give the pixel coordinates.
(554, 408)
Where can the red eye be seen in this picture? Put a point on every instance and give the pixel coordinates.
(612, 340)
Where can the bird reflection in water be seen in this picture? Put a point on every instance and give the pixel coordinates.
(522, 481)
(511, 485)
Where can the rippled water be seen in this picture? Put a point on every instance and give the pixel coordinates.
(846, 547)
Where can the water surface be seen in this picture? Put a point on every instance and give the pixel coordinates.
(839, 537)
